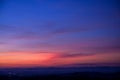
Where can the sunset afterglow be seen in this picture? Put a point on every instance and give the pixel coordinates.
(59, 33)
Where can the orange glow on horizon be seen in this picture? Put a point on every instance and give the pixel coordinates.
(52, 59)
(23, 59)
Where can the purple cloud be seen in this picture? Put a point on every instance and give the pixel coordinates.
(69, 30)
(27, 35)
(2, 43)
(75, 54)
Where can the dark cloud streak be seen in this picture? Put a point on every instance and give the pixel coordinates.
(63, 55)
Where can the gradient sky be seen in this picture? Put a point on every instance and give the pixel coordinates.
(59, 33)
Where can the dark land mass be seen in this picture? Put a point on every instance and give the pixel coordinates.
(90, 74)
(71, 76)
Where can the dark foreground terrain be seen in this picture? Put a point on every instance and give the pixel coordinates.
(68, 76)
(82, 73)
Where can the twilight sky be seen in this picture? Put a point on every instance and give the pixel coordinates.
(59, 33)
